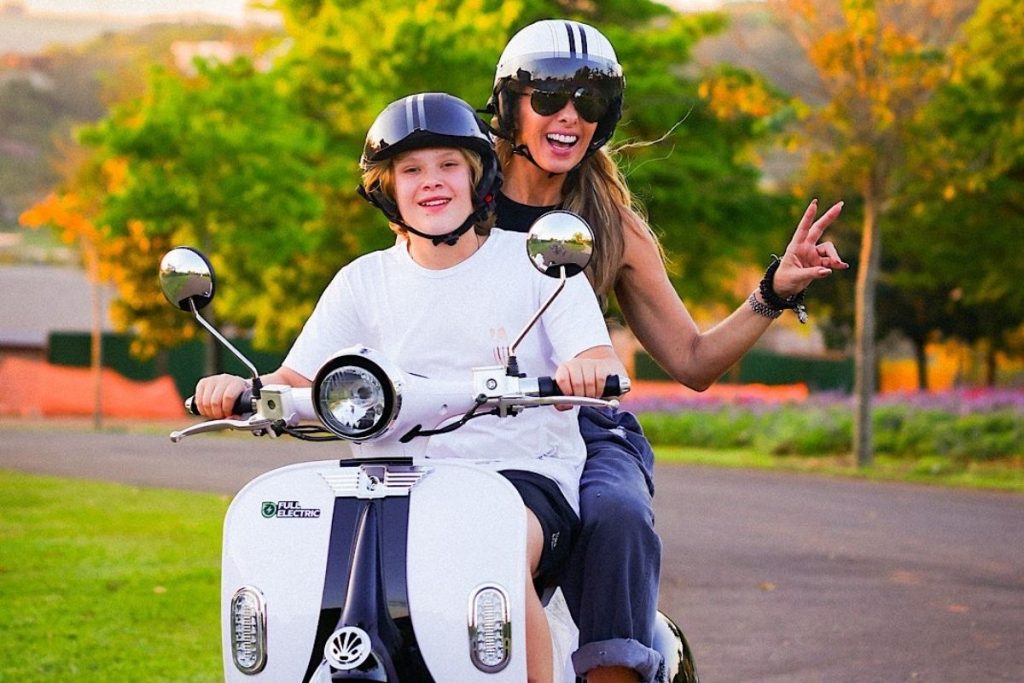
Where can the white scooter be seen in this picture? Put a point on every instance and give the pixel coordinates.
(369, 567)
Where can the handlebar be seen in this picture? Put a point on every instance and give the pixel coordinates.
(282, 406)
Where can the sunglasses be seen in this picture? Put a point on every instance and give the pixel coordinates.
(589, 106)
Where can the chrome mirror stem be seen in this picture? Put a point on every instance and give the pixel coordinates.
(256, 384)
(512, 366)
(538, 314)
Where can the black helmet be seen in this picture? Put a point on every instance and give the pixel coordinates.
(563, 54)
(431, 119)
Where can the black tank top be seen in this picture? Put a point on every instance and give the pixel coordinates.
(516, 217)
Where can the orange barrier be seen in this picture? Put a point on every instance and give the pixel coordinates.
(763, 393)
(39, 389)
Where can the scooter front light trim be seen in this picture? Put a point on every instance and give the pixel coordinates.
(490, 630)
(249, 630)
(357, 394)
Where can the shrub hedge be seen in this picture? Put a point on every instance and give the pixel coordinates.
(824, 426)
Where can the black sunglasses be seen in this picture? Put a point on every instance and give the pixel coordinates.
(589, 106)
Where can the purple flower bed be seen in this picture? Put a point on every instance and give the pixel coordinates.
(956, 402)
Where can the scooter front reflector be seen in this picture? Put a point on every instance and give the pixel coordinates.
(490, 632)
(249, 630)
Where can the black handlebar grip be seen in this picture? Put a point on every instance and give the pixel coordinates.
(547, 386)
(612, 387)
(243, 404)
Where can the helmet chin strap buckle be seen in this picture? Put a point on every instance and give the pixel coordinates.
(450, 239)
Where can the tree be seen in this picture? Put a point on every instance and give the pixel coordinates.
(222, 162)
(69, 213)
(878, 63)
(44, 97)
(259, 169)
(700, 190)
(962, 212)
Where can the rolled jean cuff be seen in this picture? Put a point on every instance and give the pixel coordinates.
(630, 653)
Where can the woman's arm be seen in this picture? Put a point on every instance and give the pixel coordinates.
(661, 323)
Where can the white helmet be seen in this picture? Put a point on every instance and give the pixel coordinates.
(563, 55)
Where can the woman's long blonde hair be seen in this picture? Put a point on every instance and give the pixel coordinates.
(597, 191)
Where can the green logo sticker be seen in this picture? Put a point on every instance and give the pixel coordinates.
(288, 509)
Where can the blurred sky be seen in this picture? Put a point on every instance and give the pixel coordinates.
(233, 9)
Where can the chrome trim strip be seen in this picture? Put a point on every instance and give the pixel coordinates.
(374, 481)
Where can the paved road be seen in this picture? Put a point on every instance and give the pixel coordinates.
(775, 578)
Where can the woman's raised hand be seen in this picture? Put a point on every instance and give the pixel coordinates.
(805, 259)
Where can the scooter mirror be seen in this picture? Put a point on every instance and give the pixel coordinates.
(559, 245)
(560, 240)
(186, 276)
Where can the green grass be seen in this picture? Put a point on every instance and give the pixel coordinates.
(103, 582)
(1006, 474)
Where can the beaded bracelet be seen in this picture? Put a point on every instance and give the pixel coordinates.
(761, 309)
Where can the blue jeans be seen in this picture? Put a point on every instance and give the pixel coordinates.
(611, 581)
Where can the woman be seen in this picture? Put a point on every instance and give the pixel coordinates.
(441, 305)
(556, 100)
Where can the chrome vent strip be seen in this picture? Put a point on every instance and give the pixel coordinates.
(373, 481)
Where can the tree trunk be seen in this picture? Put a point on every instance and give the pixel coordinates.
(864, 332)
(921, 356)
(991, 365)
(96, 335)
(212, 361)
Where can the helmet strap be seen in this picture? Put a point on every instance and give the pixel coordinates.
(449, 238)
(524, 151)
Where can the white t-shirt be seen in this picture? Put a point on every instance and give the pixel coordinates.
(440, 323)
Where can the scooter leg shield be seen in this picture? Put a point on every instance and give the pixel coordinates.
(276, 537)
(467, 531)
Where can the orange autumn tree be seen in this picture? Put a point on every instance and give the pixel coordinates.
(73, 214)
(878, 63)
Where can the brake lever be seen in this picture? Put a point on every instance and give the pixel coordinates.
(506, 404)
(254, 424)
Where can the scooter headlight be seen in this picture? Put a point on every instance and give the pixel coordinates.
(354, 395)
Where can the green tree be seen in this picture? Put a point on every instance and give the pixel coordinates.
(222, 162)
(351, 58)
(259, 169)
(962, 214)
(73, 85)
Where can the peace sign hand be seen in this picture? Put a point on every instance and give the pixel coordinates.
(805, 260)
